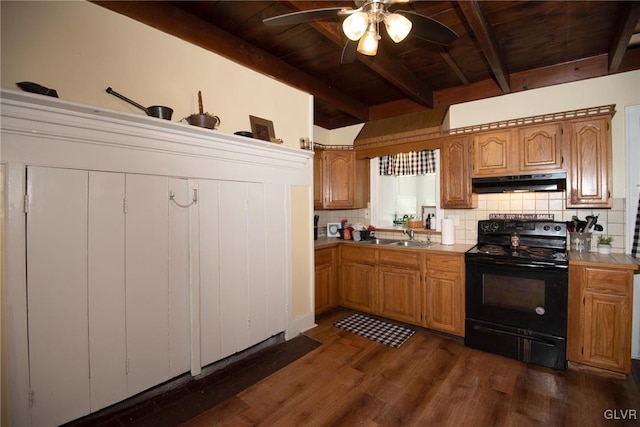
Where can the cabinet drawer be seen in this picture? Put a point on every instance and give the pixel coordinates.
(402, 258)
(444, 262)
(353, 253)
(324, 256)
(613, 282)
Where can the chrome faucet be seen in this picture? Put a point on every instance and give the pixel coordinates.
(409, 232)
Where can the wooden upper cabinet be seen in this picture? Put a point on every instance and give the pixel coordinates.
(455, 178)
(540, 148)
(492, 153)
(590, 163)
(518, 151)
(318, 187)
(340, 180)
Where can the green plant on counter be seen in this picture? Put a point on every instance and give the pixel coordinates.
(405, 221)
(604, 240)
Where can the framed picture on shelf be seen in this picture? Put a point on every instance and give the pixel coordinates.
(262, 129)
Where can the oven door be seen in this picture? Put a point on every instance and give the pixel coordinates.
(526, 297)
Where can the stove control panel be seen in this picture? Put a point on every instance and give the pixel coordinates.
(533, 228)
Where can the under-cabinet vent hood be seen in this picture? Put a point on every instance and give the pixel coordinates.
(517, 183)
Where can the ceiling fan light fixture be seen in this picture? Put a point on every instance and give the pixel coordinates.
(398, 27)
(355, 25)
(368, 44)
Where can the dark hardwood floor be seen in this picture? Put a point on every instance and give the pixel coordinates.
(186, 397)
(430, 381)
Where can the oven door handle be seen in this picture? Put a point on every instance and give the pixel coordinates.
(513, 334)
(536, 264)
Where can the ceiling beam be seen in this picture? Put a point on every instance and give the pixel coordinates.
(487, 41)
(173, 20)
(629, 16)
(392, 71)
(586, 68)
(453, 65)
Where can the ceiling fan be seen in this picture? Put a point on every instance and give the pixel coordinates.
(362, 25)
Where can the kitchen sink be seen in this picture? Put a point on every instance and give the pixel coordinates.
(378, 241)
(409, 243)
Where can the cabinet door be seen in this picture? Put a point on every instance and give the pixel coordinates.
(590, 163)
(178, 279)
(492, 154)
(234, 276)
(326, 287)
(399, 291)
(106, 284)
(540, 148)
(444, 293)
(606, 331)
(318, 180)
(339, 178)
(209, 218)
(147, 247)
(277, 256)
(357, 286)
(444, 309)
(57, 294)
(455, 179)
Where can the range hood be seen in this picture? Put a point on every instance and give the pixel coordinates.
(516, 183)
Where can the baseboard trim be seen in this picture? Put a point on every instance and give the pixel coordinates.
(300, 325)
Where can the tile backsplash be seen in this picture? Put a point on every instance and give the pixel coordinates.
(612, 220)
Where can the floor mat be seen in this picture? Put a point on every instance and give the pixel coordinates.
(375, 330)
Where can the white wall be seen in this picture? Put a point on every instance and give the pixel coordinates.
(340, 136)
(80, 49)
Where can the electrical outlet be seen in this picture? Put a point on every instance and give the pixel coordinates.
(456, 219)
(367, 213)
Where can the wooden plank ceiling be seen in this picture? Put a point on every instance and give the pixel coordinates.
(503, 47)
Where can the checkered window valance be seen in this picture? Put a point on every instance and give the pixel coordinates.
(411, 163)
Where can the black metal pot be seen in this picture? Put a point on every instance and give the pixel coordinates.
(153, 111)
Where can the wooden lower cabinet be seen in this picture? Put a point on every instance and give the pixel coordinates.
(444, 293)
(399, 279)
(414, 287)
(326, 279)
(357, 286)
(599, 327)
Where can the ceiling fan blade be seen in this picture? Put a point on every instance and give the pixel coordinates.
(429, 29)
(303, 16)
(349, 52)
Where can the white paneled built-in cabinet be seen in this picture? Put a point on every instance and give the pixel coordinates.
(102, 325)
(106, 288)
(142, 251)
(57, 295)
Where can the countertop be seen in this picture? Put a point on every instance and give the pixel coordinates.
(326, 242)
(600, 260)
(575, 258)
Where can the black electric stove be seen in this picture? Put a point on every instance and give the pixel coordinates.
(516, 291)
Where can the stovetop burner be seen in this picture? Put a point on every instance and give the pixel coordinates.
(540, 242)
(522, 253)
(492, 250)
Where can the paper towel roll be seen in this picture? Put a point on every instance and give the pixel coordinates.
(448, 233)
